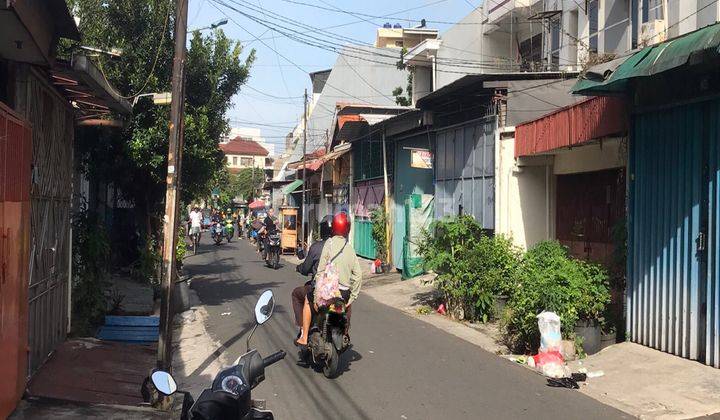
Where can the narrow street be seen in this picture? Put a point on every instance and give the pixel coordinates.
(398, 367)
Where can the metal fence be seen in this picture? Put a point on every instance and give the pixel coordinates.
(51, 192)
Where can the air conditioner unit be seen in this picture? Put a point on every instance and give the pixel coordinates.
(653, 32)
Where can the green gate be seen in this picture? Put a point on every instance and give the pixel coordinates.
(363, 240)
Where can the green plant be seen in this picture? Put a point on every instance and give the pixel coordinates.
(549, 279)
(472, 266)
(379, 232)
(181, 246)
(424, 310)
(90, 260)
(116, 301)
(146, 268)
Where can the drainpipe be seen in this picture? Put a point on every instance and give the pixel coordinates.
(434, 73)
(547, 201)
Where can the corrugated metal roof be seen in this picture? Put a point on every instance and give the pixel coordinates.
(691, 48)
(573, 125)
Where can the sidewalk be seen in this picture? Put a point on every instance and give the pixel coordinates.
(641, 381)
(197, 358)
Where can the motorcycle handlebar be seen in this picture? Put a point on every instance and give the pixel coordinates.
(273, 358)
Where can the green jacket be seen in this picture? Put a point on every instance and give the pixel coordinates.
(347, 264)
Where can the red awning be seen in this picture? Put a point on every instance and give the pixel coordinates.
(573, 125)
(257, 204)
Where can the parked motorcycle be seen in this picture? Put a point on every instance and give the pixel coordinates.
(229, 397)
(217, 233)
(327, 339)
(229, 229)
(271, 253)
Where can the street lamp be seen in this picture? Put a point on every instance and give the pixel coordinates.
(213, 25)
(163, 98)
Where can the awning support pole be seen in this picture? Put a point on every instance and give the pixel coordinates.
(386, 201)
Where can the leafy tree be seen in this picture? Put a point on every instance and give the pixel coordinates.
(404, 100)
(246, 182)
(135, 158)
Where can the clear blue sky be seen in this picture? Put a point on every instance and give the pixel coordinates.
(276, 76)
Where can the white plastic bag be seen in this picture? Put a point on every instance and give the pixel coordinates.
(550, 336)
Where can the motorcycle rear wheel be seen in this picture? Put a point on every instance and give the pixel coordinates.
(332, 364)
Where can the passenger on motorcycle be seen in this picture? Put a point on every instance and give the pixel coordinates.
(309, 267)
(338, 252)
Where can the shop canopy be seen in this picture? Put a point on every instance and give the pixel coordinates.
(693, 48)
(292, 186)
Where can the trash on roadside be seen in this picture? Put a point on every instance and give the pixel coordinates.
(563, 383)
(579, 377)
(595, 374)
(441, 309)
(225, 313)
(582, 370)
(549, 326)
(549, 360)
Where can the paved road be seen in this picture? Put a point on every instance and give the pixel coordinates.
(398, 367)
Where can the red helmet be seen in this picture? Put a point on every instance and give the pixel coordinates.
(341, 224)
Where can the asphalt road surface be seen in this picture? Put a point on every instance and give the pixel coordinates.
(398, 367)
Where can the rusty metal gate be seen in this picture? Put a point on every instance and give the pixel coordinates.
(15, 155)
(51, 192)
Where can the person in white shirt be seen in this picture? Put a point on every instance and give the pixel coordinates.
(195, 221)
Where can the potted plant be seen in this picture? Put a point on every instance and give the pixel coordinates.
(591, 304)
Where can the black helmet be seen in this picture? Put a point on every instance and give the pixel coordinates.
(326, 227)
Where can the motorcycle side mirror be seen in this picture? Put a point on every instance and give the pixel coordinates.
(264, 307)
(263, 311)
(164, 382)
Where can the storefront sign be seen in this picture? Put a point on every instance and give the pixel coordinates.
(421, 159)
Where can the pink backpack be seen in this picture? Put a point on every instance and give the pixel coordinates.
(327, 286)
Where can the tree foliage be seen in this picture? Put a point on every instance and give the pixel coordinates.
(246, 182)
(135, 158)
(406, 99)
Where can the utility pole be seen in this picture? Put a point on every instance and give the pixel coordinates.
(304, 160)
(164, 357)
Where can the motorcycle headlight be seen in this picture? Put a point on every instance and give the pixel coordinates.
(232, 384)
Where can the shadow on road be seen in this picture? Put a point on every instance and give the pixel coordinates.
(346, 359)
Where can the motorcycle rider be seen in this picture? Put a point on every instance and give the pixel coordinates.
(269, 227)
(337, 250)
(309, 266)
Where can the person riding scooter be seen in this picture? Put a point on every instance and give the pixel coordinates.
(309, 267)
(269, 227)
(339, 253)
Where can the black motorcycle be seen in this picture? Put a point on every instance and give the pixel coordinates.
(327, 339)
(271, 252)
(229, 396)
